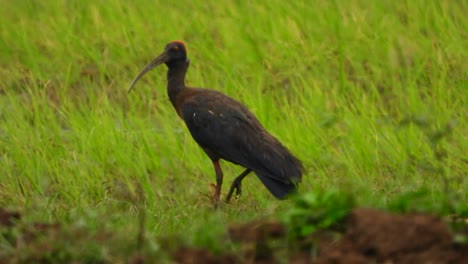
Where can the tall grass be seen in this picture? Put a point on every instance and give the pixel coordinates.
(370, 95)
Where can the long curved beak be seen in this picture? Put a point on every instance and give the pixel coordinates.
(159, 60)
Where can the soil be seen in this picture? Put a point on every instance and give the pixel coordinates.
(8, 218)
(377, 237)
(368, 236)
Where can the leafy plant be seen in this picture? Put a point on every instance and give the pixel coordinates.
(320, 209)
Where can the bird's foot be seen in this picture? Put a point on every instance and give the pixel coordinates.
(237, 186)
(216, 193)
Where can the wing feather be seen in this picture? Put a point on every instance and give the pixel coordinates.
(228, 130)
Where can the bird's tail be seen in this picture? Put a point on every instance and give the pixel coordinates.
(279, 189)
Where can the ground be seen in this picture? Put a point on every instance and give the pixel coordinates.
(367, 236)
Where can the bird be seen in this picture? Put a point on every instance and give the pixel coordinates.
(226, 130)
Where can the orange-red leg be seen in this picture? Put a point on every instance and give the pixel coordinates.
(219, 181)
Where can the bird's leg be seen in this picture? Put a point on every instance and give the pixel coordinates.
(237, 184)
(219, 181)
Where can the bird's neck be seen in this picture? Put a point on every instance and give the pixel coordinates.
(176, 79)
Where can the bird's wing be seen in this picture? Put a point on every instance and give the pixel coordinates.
(225, 128)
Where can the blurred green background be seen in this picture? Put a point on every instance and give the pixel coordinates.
(370, 95)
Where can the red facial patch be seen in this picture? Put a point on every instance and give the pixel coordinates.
(180, 43)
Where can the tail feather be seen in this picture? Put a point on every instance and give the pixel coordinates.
(279, 189)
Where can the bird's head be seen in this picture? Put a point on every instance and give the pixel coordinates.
(174, 53)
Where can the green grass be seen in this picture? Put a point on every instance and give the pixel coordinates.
(370, 95)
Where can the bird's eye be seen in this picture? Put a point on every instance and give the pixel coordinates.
(175, 48)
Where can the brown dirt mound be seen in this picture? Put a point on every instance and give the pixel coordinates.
(374, 236)
(200, 255)
(370, 236)
(8, 218)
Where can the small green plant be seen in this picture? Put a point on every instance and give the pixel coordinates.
(320, 209)
(418, 201)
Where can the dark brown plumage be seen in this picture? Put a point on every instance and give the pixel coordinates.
(226, 129)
